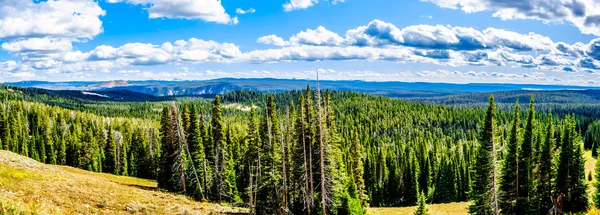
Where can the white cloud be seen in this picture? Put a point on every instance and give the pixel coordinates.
(242, 11)
(272, 40)
(299, 4)
(292, 5)
(584, 14)
(318, 37)
(64, 19)
(206, 10)
(38, 44)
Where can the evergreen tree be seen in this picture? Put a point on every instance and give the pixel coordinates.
(357, 169)
(220, 153)
(546, 170)
(570, 179)
(578, 202)
(110, 153)
(269, 194)
(525, 181)
(196, 148)
(483, 191)
(253, 158)
(422, 205)
(176, 157)
(165, 164)
(509, 181)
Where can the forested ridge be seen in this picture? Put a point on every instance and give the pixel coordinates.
(320, 152)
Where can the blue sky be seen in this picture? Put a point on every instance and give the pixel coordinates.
(468, 41)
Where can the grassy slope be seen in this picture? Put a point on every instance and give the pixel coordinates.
(461, 207)
(27, 186)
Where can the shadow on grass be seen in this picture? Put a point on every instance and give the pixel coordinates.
(149, 188)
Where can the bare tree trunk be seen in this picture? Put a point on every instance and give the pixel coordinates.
(321, 152)
(306, 181)
(194, 168)
(495, 187)
(217, 173)
(283, 157)
(251, 194)
(205, 183)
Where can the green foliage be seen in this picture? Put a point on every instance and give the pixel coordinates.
(526, 166)
(545, 188)
(110, 153)
(422, 205)
(483, 189)
(570, 179)
(508, 183)
(365, 150)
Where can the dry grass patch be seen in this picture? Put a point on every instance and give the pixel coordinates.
(27, 186)
(456, 208)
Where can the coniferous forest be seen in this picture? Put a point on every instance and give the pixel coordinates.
(321, 152)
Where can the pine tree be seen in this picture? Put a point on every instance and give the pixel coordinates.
(62, 132)
(546, 170)
(176, 138)
(165, 164)
(422, 205)
(253, 158)
(110, 150)
(483, 191)
(196, 148)
(579, 197)
(269, 194)
(525, 181)
(509, 181)
(357, 169)
(570, 179)
(219, 145)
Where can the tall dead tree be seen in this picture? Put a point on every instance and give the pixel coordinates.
(321, 150)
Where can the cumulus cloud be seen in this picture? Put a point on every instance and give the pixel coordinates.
(320, 36)
(437, 45)
(242, 11)
(272, 40)
(206, 10)
(303, 4)
(431, 44)
(38, 48)
(64, 19)
(584, 14)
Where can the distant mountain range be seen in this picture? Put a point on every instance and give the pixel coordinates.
(224, 85)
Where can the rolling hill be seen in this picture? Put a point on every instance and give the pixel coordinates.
(30, 187)
(224, 85)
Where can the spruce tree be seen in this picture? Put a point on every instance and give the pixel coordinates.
(525, 180)
(578, 202)
(357, 169)
(508, 182)
(110, 150)
(165, 164)
(483, 191)
(253, 158)
(176, 138)
(269, 194)
(219, 146)
(196, 147)
(546, 170)
(422, 205)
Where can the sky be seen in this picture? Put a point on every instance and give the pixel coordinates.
(451, 41)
